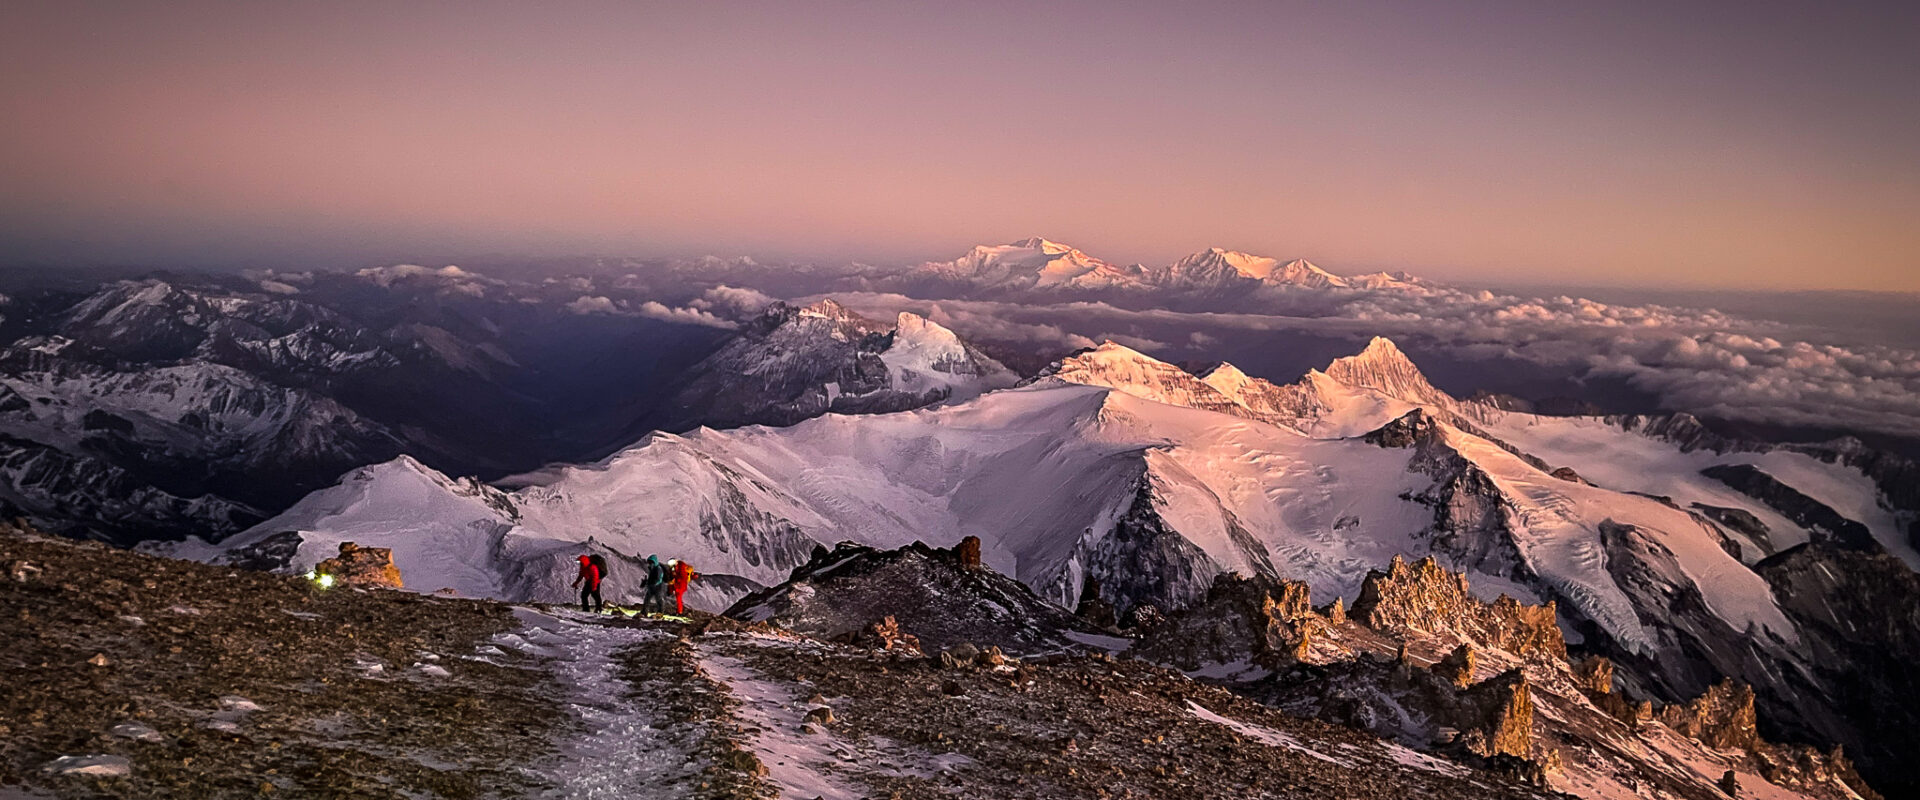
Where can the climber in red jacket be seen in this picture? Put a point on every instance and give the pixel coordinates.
(592, 570)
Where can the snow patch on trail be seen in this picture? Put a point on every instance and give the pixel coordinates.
(799, 764)
(1266, 736)
(1407, 756)
(818, 764)
(621, 748)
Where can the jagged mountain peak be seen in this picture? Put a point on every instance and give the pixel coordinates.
(1111, 349)
(1114, 361)
(1352, 396)
(1301, 272)
(1226, 373)
(1041, 243)
(829, 309)
(910, 329)
(1379, 349)
(1226, 262)
(825, 317)
(1383, 368)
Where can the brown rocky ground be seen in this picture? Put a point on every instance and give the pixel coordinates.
(1072, 727)
(95, 637)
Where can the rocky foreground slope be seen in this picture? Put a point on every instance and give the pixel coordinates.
(142, 677)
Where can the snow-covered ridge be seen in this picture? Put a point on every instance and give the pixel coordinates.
(1356, 394)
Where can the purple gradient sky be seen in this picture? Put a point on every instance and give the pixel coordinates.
(1697, 144)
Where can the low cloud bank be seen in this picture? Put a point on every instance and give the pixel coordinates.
(1697, 360)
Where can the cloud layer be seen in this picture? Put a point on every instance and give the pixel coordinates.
(1697, 360)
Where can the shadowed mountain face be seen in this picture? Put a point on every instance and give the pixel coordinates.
(206, 403)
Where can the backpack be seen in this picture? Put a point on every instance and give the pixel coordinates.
(599, 562)
(656, 573)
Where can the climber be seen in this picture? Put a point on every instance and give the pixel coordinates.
(657, 579)
(683, 574)
(592, 570)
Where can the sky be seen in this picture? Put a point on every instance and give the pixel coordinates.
(1699, 144)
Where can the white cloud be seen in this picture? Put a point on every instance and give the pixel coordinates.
(690, 316)
(593, 305)
(733, 301)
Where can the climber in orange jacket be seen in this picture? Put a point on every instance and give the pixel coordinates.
(683, 574)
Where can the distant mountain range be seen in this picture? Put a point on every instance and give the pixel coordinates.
(1037, 263)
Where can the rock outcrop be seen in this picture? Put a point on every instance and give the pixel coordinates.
(1255, 621)
(1457, 667)
(1594, 674)
(361, 566)
(1723, 717)
(1495, 716)
(1426, 597)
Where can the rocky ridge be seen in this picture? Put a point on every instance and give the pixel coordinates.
(939, 597)
(1420, 660)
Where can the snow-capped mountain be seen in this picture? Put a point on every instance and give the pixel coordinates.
(94, 497)
(793, 363)
(1033, 263)
(1353, 395)
(1215, 267)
